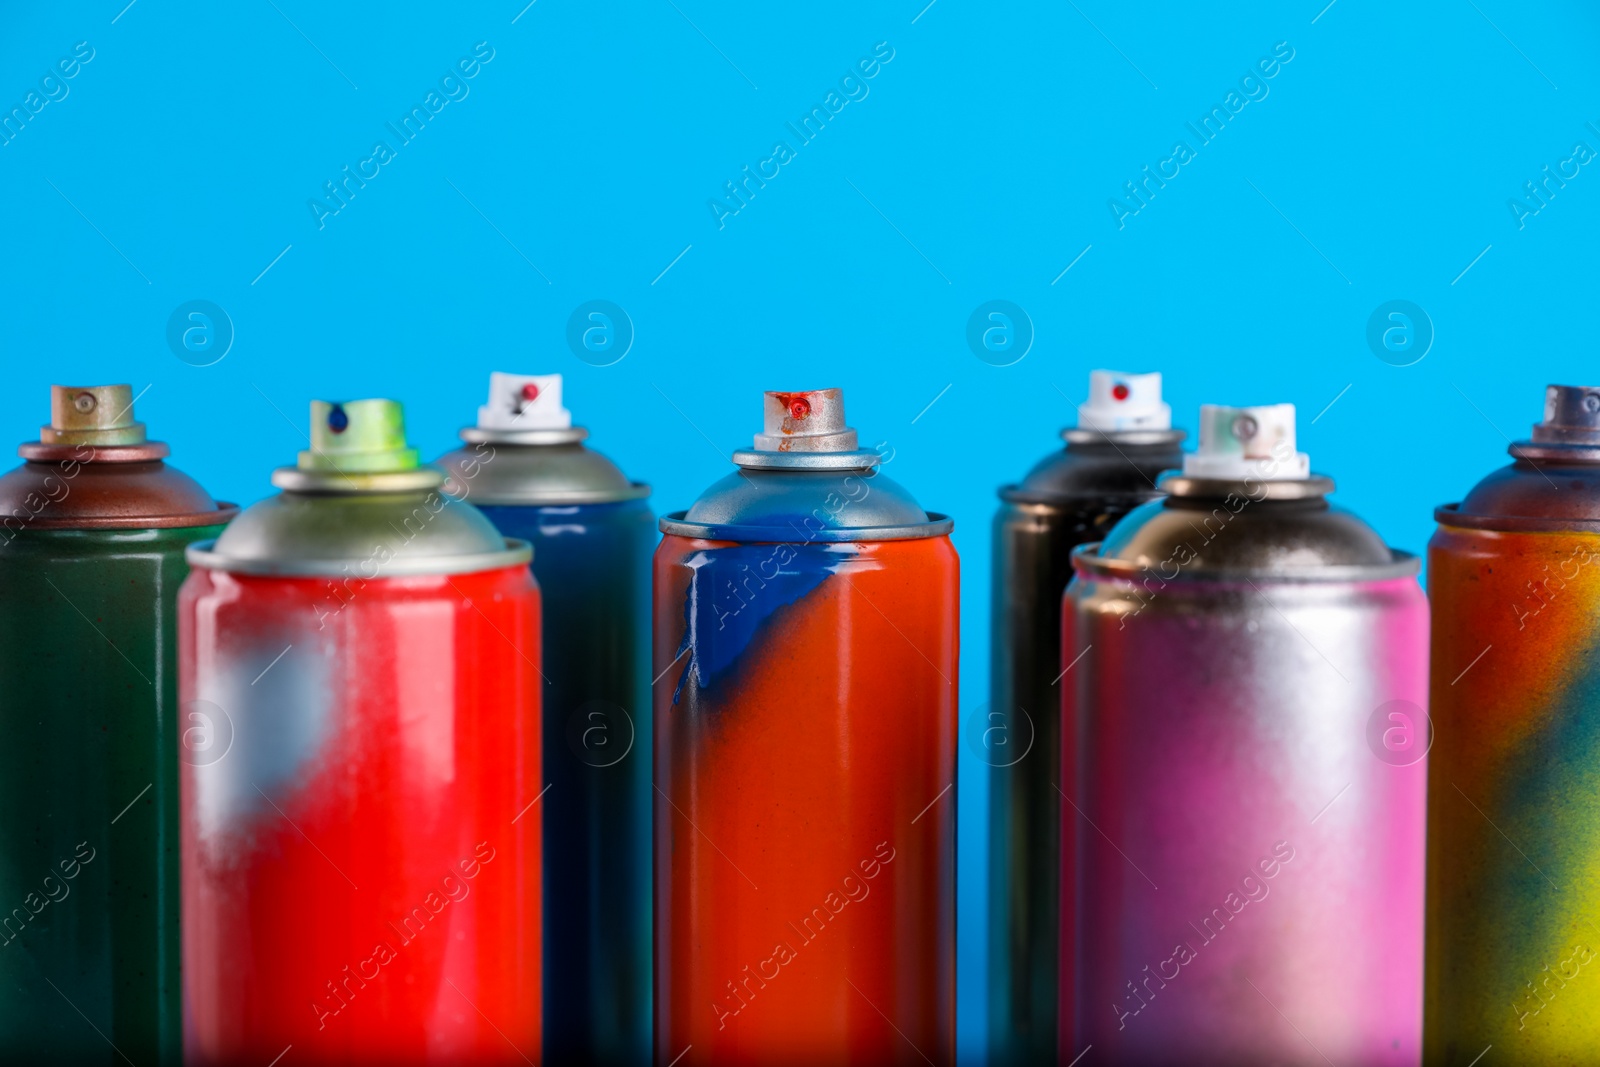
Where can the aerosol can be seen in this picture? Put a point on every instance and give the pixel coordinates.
(1246, 744)
(359, 671)
(1123, 441)
(1513, 815)
(527, 469)
(805, 638)
(93, 529)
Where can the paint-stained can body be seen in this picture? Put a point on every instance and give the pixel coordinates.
(359, 672)
(1247, 775)
(806, 629)
(93, 530)
(1514, 828)
(1108, 467)
(592, 532)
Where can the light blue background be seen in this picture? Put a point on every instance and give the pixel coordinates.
(978, 167)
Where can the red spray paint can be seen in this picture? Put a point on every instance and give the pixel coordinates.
(805, 717)
(360, 743)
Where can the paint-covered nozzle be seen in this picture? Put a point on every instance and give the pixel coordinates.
(92, 415)
(524, 402)
(1571, 415)
(811, 421)
(1241, 443)
(1119, 401)
(358, 437)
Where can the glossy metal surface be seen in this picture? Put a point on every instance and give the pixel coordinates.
(88, 850)
(358, 832)
(1249, 869)
(368, 532)
(93, 529)
(534, 467)
(1513, 832)
(592, 562)
(1073, 495)
(805, 822)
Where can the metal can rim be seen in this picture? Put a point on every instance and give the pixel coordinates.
(761, 459)
(1087, 561)
(223, 514)
(1451, 515)
(516, 553)
(938, 525)
(570, 435)
(1015, 494)
(635, 491)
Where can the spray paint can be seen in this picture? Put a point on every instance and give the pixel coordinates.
(1123, 441)
(359, 670)
(805, 639)
(525, 465)
(93, 529)
(1513, 955)
(1249, 744)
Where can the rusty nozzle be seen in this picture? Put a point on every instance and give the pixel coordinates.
(92, 415)
(1571, 416)
(811, 421)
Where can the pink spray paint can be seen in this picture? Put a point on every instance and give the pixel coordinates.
(1244, 772)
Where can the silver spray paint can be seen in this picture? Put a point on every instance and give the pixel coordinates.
(1247, 771)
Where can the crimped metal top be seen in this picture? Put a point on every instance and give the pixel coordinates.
(1120, 464)
(1554, 481)
(534, 468)
(94, 469)
(1219, 530)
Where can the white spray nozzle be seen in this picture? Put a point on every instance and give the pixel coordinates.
(1119, 401)
(1239, 443)
(524, 402)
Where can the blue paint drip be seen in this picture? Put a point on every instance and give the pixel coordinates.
(732, 593)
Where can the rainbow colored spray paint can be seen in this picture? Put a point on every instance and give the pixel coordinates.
(526, 467)
(1246, 771)
(93, 529)
(1123, 441)
(1513, 957)
(359, 674)
(805, 639)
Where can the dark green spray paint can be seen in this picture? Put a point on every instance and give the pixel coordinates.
(93, 529)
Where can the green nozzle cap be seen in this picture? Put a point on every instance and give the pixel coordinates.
(360, 436)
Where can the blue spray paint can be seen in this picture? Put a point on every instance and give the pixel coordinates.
(526, 467)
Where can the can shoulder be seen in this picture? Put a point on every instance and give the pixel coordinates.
(1241, 537)
(502, 472)
(390, 534)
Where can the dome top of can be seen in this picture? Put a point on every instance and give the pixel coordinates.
(1245, 507)
(524, 451)
(1123, 441)
(359, 504)
(1554, 481)
(806, 480)
(94, 468)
